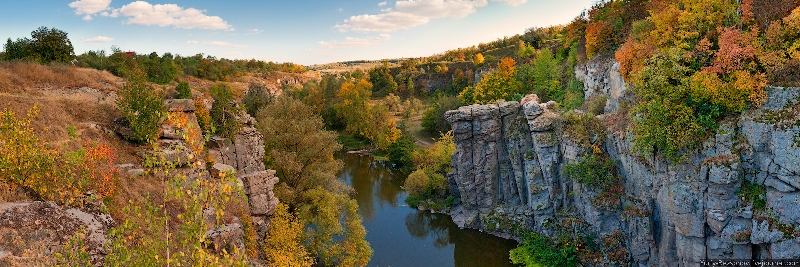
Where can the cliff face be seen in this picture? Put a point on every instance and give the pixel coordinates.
(507, 172)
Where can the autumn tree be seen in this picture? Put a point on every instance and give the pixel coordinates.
(285, 243)
(301, 152)
(699, 66)
(478, 59)
(500, 84)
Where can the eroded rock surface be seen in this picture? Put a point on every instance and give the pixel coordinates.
(507, 175)
(32, 232)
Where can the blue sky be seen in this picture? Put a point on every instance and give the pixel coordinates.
(300, 31)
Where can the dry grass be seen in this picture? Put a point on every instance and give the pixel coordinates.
(18, 77)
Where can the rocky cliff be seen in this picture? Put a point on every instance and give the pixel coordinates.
(508, 176)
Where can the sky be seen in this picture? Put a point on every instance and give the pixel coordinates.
(300, 31)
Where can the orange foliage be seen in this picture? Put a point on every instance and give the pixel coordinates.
(631, 57)
(598, 36)
(736, 52)
(506, 65)
(99, 163)
(747, 11)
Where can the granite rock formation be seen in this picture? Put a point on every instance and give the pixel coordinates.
(507, 177)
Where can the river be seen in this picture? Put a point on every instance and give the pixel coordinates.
(404, 236)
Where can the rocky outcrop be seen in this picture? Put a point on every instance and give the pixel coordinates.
(32, 232)
(507, 175)
(600, 77)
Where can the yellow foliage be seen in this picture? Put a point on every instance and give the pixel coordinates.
(284, 245)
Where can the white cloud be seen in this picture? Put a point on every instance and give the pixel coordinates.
(223, 44)
(98, 39)
(350, 42)
(412, 13)
(512, 2)
(254, 31)
(382, 3)
(144, 13)
(192, 42)
(89, 7)
(385, 22)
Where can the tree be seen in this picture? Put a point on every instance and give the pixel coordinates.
(284, 246)
(257, 97)
(498, 85)
(224, 111)
(478, 59)
(543, 77)
(143, 107)
(433, 118)
(382, 80)
(19, 49)
(301, 152)
(52, 45)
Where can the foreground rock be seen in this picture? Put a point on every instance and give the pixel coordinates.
(32, 232)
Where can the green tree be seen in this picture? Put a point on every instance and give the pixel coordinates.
(401, 151)
(21, 49)
(543, 77)
(257, 96)
(224, 112)
(143, 107)
(382, 80)
(184, 92)
(52, 45)
(160, 70)
(433, 118)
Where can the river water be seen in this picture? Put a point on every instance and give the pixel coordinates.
(404, 236)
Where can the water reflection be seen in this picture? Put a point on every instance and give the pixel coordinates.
(403, 236)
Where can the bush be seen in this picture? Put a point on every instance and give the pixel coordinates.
(754, 193)
(143, 107)
(184, 92)
(47, 174)
(224, 112)
(433, 118)
(417, 183)
(539, 250)
(598, 171)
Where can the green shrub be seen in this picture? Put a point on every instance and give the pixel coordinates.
(584, 129)
(184, 92)
(539, 250)
(433, 118)
(224, 112)
(143, 107)
(598, 171)
(755, 194)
